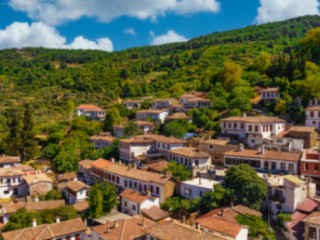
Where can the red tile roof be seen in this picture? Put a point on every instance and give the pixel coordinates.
(100, 163)
(76, 186)
(275, 89)
(308, 205)
(189, 152)
(88, 106)
(38, 206)
(126, 229)
(86, 163)
(47, 231)
(155, 213)
(8, 159)
(296, 226)
(135, 196)
(271, 155)
(262, 119)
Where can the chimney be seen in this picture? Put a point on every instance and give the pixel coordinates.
(120, 162)
(197, 225)
(108, 230)
(262, 150)
(240, 147)
(168, 174)
(148, 193)
(34, 222)
(36, 198)
(134, 165)
(115, 224)
(221, 212)
(244, 114)
(199, 180)
(232, 205)
(112, 159)
(183, 219)
(57, 219)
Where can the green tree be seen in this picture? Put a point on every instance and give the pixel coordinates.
(131, 129)
(258, 229)
(112, 118)
(262, 62)
(102, 198)
(66, 161)
(311, 44)
(12, 142)
(247, 187)
(29, 146)
(281, 106)
(178, 128)
(215, 199)
(179, 171)
(112, 151)
(230, 72)
(70, 110)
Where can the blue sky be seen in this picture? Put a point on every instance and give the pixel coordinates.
(114, 25)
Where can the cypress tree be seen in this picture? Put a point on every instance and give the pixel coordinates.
(13, 140)
(29, 144)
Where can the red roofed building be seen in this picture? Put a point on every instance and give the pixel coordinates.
(90, 110)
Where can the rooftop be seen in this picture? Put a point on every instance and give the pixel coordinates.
(100, 163)
(102, 138)
(177, 231)
(150, 138)
(85, 163)
(144, 123)
(110, 217)
(178, 115)
(189, 152)
(81, 206)
(128, 229)
(31, 179)
(157, 165)
(303, 129)
(313, 218)
(38, 206)
(153, 111)
(275, 89)
(88, 106)
(135, 196)
(293, 179)
(9, 159)
(202, 182)
(155, 213)
(271, 155)
(76, 186)
(315, 108)
(46, 231)
(262, 119)
(215, 142)
(10, 172)
(67, 176)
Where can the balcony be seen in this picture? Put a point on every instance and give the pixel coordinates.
(276, 198)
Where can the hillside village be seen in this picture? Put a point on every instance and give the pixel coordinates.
(234, 155)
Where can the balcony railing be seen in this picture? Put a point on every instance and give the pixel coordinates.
(276, 198)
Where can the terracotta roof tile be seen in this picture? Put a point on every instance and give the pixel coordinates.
(144, 123)
(174, 230)
(100, 163)
(315, 108)
(152, 138)
(88, 106)
(11, 171)
(67, 176)
(158, 165)
(271, 155)
(189, 152)
(76, 186)
(35, 178)
(38, 206)
(308, 205)
(102, 138)
(303, 129)
(126, 229)
(155, 213)
(81, 206)
(275, 89)
(262, 119)
(9, 159)
(47, 231)
(177, 116)
(153, 111)
(86, 163)
(134, 196)
(313, 218)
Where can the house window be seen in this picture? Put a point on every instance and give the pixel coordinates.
(1, 181)
(312, 232)
(187, 191)
(125, 183)
(306, 167)
(6, 192)
(151, 188)
(197, 162)
(241, 126)
(125, 203)
(210, 146)
(130, 184)
(266, 165)
(316, 168)
(311, 114)
(279, 140)
(229, 125)
(140, 186)
(250, 128)
(273, 165)
(157, 190)
(256, 128)
(134, 207)
(291, 167)
(224, 125)
(283, 166)
(8, 180)
(118, 180)
(77, 237)
(234, 125)
(113, 178)
(278, 193)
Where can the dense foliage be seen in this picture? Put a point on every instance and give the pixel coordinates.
(180, 171)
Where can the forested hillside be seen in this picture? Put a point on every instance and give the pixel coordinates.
(228, 64)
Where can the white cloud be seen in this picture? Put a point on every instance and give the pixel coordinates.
(59, 11)
(169, 37)
(130, 31)
(276, 10)
(38, 34)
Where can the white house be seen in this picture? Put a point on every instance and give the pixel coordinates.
(155, 115)
(285, 193)
(11, 183)
(90, 110)
(270, 94)
(133, 202)
(161, 103)
(264, 160)
(130, 104)
(147, 144)
(196, 187)
(159, 185)
(192, 158)
(85, 170)
(145, 126)
(76, 191)
(252, 129)
(118, 130)
(8, 161)
(313, 117)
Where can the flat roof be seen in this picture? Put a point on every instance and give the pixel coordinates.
(202, 182)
